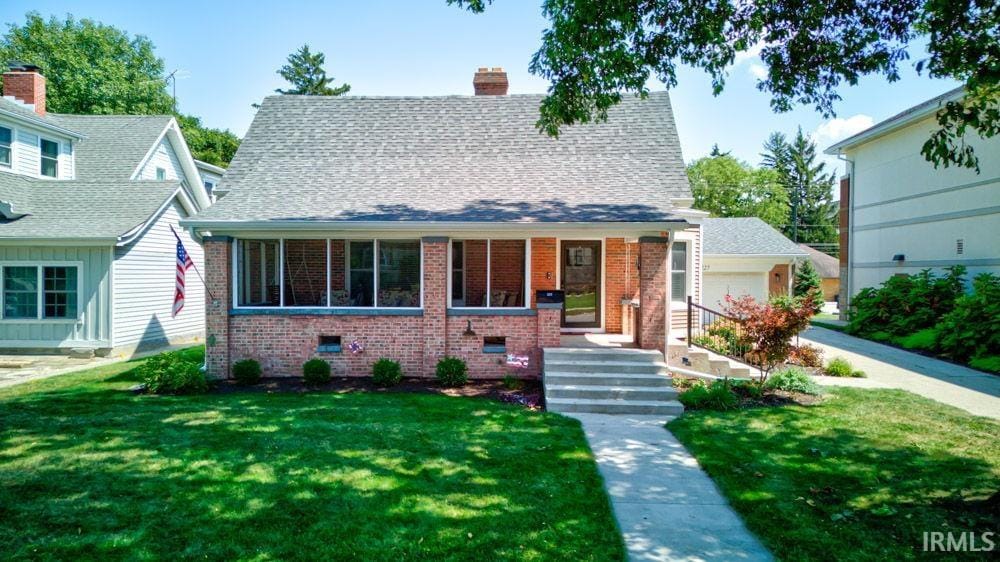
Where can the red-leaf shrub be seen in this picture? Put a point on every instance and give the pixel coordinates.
(768, 328)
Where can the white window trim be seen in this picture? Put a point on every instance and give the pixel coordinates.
(235, 245)
(42, 157)
(465, 266)
(39, 267)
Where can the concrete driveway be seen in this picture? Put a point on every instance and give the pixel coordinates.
(888, 367)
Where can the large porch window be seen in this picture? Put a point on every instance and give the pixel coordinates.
(307, 273)
(488, 273)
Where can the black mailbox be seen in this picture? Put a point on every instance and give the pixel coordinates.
(549, 296)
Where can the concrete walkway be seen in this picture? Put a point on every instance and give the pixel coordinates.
(888, 367)
(666, 506)
(17, 369)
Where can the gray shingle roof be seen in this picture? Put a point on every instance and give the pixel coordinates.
(455, 158)
(826, 265)
(114, 144)
(79, 209)
(22, 111)
(745, 236)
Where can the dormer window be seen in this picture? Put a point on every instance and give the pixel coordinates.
(6, 140)
(50, 158)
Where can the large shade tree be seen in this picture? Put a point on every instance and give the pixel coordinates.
(728, 187)
(92, 68)
(812, 212)
(305, 72)
(595, 51)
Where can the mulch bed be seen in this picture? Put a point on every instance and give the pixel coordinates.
(529, 394)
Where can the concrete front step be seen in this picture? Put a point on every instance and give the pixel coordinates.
(603, 354)
(608, 379)
(646, 407)
(606, 392)
(587, 366)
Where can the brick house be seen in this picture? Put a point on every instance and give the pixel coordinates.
(421, 227)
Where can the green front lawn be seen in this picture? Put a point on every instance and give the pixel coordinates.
(860, 476)
(89, 470)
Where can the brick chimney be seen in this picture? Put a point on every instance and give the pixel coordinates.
(25, 83)
(490, 82)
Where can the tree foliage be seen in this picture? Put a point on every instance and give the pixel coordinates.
(768, 327)
(305, 73)
(812, 211)
(97, 69)
(728, 187)
(597, 50)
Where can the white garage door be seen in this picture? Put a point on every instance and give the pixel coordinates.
(718, 285)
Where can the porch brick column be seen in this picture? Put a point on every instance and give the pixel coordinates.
(218, 298)
(435, 301)
(653, 298)
(544, 265)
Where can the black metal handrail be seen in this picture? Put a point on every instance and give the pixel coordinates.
(718, 332)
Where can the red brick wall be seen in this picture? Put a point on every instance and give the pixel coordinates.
(475, 272)
(522, 338)
(615, 281)
(544, 264)
(507, 270)
(218, 299)
(337, 266)
(653, 287)
(435, 285)
(777, 279)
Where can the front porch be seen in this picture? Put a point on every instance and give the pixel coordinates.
(494, 301)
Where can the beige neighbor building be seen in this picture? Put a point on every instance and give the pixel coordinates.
(900, 214)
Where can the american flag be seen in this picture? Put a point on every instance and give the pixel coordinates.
(183, 263)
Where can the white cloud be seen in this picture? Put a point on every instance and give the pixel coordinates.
(752, 53)
(759, 71)
(837, 129)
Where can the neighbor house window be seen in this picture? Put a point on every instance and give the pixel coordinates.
(40, 292)
(161, 174)
(678, 272)
(488, 273)
(50, 158)
(334, 272)
(258, 273)
(6, 142)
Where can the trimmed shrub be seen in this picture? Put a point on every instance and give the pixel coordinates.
(510, 382)
(807, 356)
(989, 363)
(170, 373)
(246, 371)
(748, 389)
(924, 340)
(452, 371)
(717, 396)
(972, 329)
(793, 379)
(905, 304)
(386, 372)
(839, 367)
(316, 372)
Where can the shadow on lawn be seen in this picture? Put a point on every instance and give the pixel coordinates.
(813, 491)
(99, 472)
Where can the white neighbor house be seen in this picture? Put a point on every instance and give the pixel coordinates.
(87, 202)
(899, 214)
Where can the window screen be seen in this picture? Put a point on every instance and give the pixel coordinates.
(678, 272)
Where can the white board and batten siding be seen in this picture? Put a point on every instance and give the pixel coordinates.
(144, 280)
(92, 326)
(163, 157)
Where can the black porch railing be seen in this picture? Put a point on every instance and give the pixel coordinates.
(712, 330)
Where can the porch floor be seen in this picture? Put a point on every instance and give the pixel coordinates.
(596, 340)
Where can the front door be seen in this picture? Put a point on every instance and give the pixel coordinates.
(581, 282)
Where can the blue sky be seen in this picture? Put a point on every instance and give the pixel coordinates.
(227, 53)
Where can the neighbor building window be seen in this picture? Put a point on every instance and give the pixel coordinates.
(258, 273)
(40, 291)
(6, 142)
(488, 273)
(59, 292)
(50, 158)
(678, 272)
(161, 174)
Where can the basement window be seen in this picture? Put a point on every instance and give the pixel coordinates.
(328, 344)
(494, 344)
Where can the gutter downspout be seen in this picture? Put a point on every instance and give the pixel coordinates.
(845, 306)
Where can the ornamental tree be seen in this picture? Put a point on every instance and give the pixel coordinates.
(768, 327)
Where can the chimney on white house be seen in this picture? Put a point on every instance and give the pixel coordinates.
(25, 83)
(490, 81)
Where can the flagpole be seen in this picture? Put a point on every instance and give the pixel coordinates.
(194, 265)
